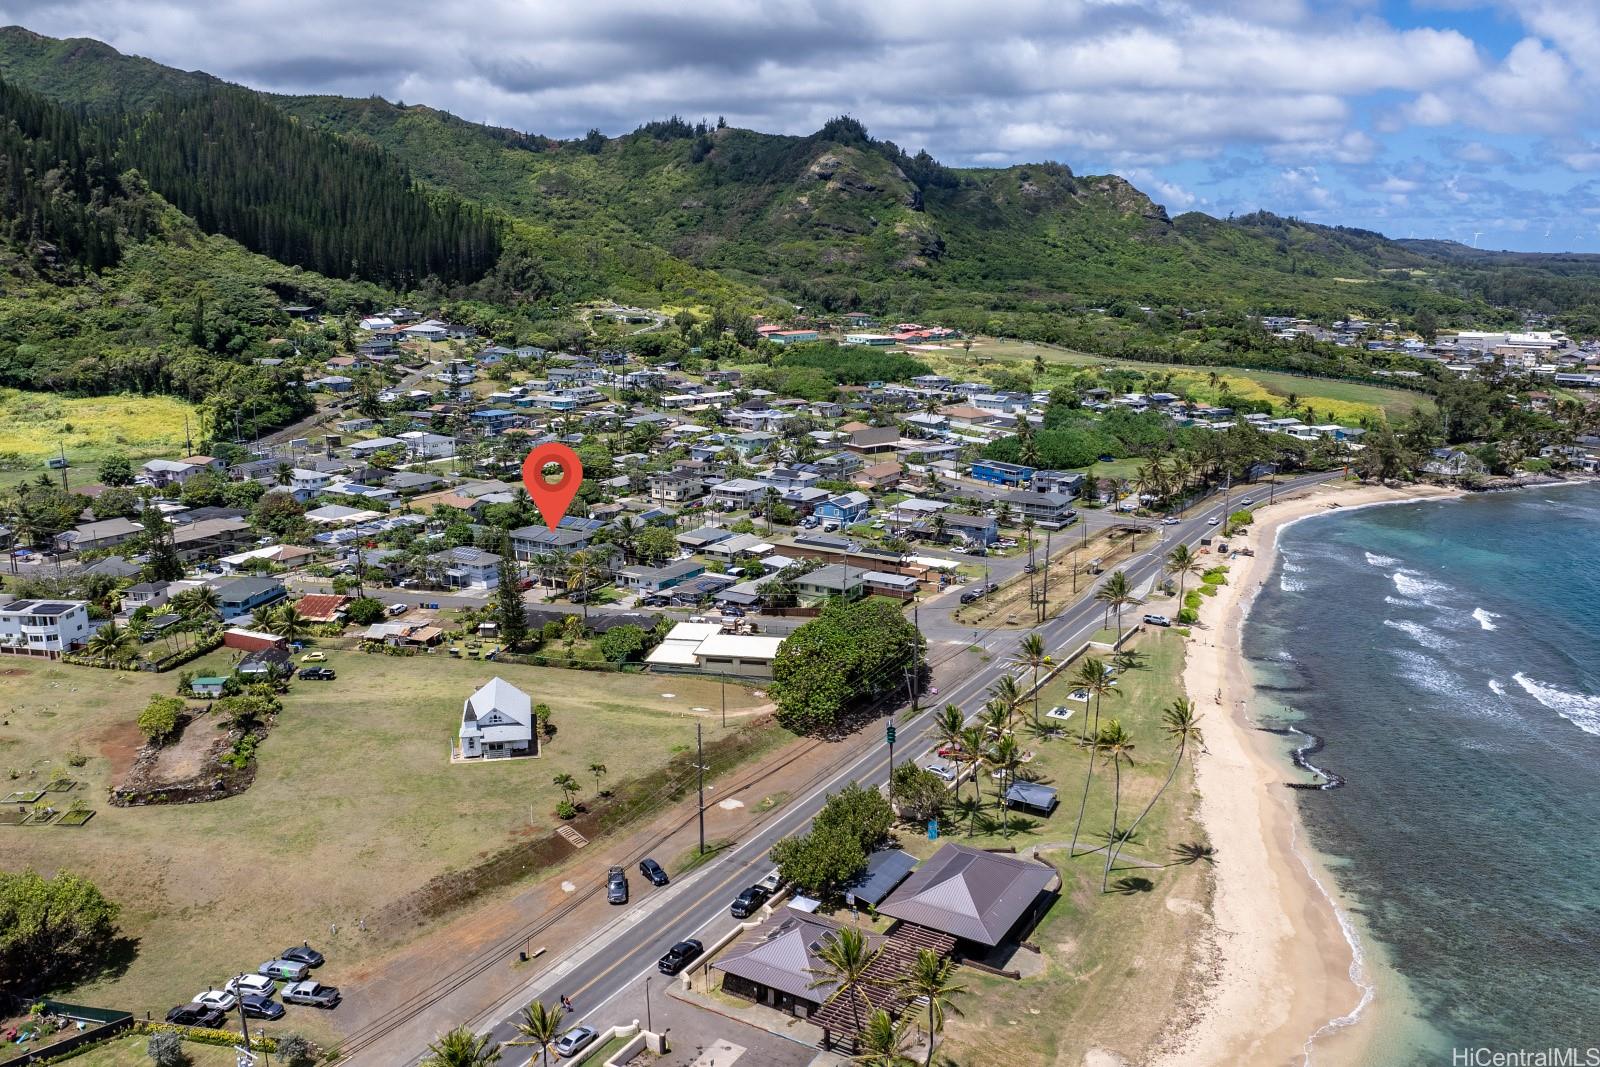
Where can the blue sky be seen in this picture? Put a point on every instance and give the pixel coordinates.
(1466, 119)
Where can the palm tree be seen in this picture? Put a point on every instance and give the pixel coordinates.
(580, 567)
(931, 980)
(1115, 595)
(1182, 562)
(462, 1048)
(842, 963)
(567, 784)
(110, 644)
(1031, 654)
(883, 1042)
(1099, 682)
(1181, 723)
(996, 718)
(599, 771)
(1096, 679)
(1005, 756)
(973, 742)
(288, 623)
(539, 1025)
(197, 601)
(1008, 692)
(1117, 748)
(969, 808)
(948, 724)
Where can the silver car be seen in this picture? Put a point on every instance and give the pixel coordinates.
(575, 1041)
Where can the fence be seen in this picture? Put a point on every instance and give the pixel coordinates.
(103, 1023)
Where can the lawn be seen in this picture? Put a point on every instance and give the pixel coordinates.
(129, 1051)
(1346, 401)
(1102, 953)
(1010, 606)
(35, 426)
(355, 804)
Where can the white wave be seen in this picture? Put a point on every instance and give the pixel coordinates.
(1497, 687)
(1402, 602)
(1580, 710)
(1381, 561)
(1284, 654)
(1425, 672)
(1292, 568)
(1409, 584)
(1421, 634)
(1290, 585)
(1485, 618)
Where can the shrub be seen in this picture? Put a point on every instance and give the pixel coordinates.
(295, 1051)
(166, 1049)
(566, 810)
(364, 611)
(1188, 615)
(160, 718)
(1241, 518)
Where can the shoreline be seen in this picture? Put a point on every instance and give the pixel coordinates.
(1291, 977)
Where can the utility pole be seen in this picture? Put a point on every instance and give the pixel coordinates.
(62, 445)
(1044, 595)
(916, 663)
(700, 773)
(723, 684)
(244, 1023)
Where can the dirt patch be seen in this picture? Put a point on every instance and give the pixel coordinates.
(120, 745)
(187, 771)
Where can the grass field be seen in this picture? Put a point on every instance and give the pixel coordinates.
(355, 804)
(1344, 401)
(129, 1051)
(1102, 954)
(34, 426)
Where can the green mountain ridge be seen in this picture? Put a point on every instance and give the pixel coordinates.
(675, 213)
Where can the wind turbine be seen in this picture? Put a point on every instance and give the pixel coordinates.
(1475, 235)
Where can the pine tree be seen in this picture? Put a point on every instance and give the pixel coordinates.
(509, 613)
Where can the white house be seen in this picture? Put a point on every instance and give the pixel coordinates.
(497, 722)
(467, 567)
(35, 627)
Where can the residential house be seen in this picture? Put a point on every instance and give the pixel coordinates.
(1052, 510)
(846, 508)
(150, 595)
(529, 542)
(737, 493)
(871, 440)
(676, 487)
(659, 579)
(727, 550)
(92, 536)
(979, 530)
(1067, 483)
(697, 540)
(879, 476)
(833, 580)
(322, 607)
(161, 473)
(998, 473)
(1452, 463)
(210, 538)
(497, 722)
(466, 567)
(44, 627)
(703, 647)
(243, 596)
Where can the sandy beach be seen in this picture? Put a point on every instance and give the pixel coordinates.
(1288, 984)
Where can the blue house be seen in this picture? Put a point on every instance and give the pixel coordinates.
(997, 473)
(495, 420)
(845, 508)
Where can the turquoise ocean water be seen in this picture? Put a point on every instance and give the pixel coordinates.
(1439, 663)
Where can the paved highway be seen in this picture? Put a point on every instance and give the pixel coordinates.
(619, 954)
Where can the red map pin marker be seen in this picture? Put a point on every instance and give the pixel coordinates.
(552, 498)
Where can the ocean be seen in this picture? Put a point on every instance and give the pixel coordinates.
(1437, 667)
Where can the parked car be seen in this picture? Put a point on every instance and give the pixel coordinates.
(196, 1015)
(399, 609)
(680, 956)
(970, 595)
(258, 1006)
(575, 1041)
(314, 657)
(220, 999)
(288, 970)
(258, 984)
(616, 886)
(942, 770)
(1029, 568)
(1158, 620)
(654, 602)
(313, 993)
(652, 871)
(318, 674)
(303, 953)
(749, 901)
